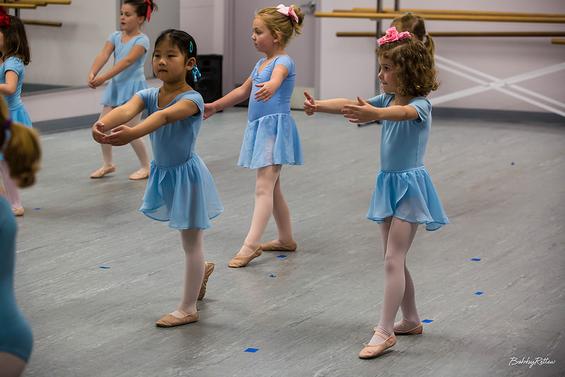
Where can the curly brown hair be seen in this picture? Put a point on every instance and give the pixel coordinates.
(414, 24)
(414, 65)
(22, 152)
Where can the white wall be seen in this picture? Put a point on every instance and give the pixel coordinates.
(204, 20)
(347, 65)
(63, 56)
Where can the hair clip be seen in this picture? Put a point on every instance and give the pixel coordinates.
(149, 9)
(196, 75)
(190, 47)
(392, 35)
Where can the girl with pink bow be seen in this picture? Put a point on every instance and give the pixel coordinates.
(404, 196)
(271, 138)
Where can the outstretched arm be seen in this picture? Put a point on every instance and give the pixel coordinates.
(268, 88)
(363, 112)
(117, 117)
(234, 97)
(122, 135)
(332, 106)
(99, 61)
(136, 52)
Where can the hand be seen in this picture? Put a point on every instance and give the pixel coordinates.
(90, 78)
(209, 110)
(120, 135)
(363, 112)
(310, 106)
(96, 82)
(266, 92)
(98, 132)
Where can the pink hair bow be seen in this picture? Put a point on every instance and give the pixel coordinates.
(287, 11)
(392, 35)
(148, 14)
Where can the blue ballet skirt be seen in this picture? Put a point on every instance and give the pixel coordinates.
(271, 136)
(271, 140)
(20, 115)
(117, 93)
(18, 112)
(184, 195)
(408, 195)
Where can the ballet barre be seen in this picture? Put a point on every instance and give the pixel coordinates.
(43, 23)
(558, 41)
(454, 12)
(524, 34)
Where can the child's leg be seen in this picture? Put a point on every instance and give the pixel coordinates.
(139, 148)
(11, 190)
(193, 245)
(281, 214)
(409, 312)
(107, 166)
(264, 189)
(400, 237)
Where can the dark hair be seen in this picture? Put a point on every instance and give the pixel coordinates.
(15, 40)
(141, 6)
(185, 43)
(414, 65)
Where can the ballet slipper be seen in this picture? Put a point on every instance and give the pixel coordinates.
(18, 211)
(242, 260)
(139, 175)
(208, 268)
(276, 245)
(101, 172)
(414, 330)
(169, 320)
(376, 350)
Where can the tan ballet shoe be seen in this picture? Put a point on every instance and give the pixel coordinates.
(18, 211)
(101, 172)
(416, 330)
(242, 260)
(170, 320)
(372, 351)
(139, 175)
(276, 245)
(208, 268)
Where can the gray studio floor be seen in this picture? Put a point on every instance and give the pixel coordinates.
(93, 274)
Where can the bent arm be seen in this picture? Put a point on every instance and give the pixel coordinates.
(135, 53)
(11, 84)
(180, 110)
(102, 58)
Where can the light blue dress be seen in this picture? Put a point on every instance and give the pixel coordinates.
(403, 187)
(15, 104)
(15, 334)
(180, 188)
(271, 137)
(132, 79)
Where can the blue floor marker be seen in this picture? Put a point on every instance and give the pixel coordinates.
(479, 293)
(427, 320)
(282, 256)
(104, 267)
(36, 209)
(476, 259)
(272, 275)
(512, 163)
(252, 350)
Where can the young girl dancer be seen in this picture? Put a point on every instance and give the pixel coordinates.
(271, 138)
(404, 194)
(129, 47)
(20, 147)
(14, 51)
(180, 189)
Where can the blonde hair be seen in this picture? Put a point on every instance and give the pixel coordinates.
(281, 26)
(22, 151)
(415, 25)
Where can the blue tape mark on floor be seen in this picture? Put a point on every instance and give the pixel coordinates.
(253, 350)
(427, 320)
(282, 256)
(272, 275)
(104, 267)
(36, 209)
(478, 293)
(476, 259)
